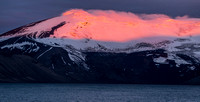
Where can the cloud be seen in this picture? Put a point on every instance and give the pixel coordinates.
(110, 25)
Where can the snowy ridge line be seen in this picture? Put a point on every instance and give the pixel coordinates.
(19, 46)
(126, 47)
(4, 38)
(35, 29)
(44, 52)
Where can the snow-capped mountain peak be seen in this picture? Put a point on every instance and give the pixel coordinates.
(90, 45)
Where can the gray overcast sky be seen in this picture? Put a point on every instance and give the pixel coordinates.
(15, 13)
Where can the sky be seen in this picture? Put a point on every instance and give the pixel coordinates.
(15, 13)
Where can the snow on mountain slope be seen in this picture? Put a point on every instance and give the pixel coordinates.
(111, 26)
(100, 46)
(35, 29)
(21, 46)
(79, 30)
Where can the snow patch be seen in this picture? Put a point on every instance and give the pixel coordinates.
(192, 68)
(177, 59)
(21, 46)
(198, 53)
(52, 66)
(18, 39)
(161, 60)
(63, 60)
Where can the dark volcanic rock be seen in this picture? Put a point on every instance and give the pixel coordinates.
(21, 68)
(104, 67)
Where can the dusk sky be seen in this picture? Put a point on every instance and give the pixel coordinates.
(15, 13)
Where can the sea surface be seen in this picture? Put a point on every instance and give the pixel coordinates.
(23, 92)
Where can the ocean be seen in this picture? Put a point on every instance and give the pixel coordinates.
(30, 92)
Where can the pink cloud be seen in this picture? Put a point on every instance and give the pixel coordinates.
(109, 25)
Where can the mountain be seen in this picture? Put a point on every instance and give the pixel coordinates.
(39, 52)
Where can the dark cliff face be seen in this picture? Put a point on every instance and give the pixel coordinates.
(54, 64)
(139, 68)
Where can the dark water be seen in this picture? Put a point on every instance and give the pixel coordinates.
(98, 93)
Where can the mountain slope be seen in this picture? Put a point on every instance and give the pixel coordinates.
(36, 53)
